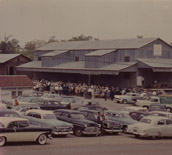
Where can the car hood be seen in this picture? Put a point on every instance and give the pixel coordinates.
(125, 121)
(60, 123)
(84, 121)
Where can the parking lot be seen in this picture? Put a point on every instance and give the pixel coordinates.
(107, 144)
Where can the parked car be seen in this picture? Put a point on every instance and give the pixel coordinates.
(81, 126)
(152, 126)
(132, 108)
(8, 113)
(120, 116)
(19, 130)
(161, 113)
(51, 104)
(109, 126)
(20, 109)
(157, 107)
(138, 115)
(127, 98)
(47, 118)
(93, 107)
(148, 101)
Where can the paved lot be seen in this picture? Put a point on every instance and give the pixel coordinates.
(121, 144)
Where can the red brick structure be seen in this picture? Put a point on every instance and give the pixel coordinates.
(8, 62)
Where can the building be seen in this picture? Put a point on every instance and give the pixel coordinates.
(14, 85)
(8, 62)
(123, 62)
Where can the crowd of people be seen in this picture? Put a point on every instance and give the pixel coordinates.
(79, 89)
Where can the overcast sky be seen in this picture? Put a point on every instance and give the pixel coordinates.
(27, 20)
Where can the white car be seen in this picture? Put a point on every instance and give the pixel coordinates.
(48, 118)
(147, 102)
(152, 126)
(161, 113)
(127, 98)
(16, 129)
(132, 108)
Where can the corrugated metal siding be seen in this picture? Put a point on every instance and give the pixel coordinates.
(147, 51)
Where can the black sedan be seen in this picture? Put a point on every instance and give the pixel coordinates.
(81, 126)
(109, 126)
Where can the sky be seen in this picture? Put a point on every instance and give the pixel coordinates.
(28, 20)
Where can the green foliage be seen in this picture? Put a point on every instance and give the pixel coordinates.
(9, 45)
(82, 38)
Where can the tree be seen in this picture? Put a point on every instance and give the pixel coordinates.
(32, 45)
(52, 39)
(82, 38)
(9, 45)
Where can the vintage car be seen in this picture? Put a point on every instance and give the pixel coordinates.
(121, 117)
(127, 98)
(20, 109)
(92, 107)
(152, 126)
(51, 104)
(47, 118)
(19, 130)
(157, 107)
(148, 101)
(81, 126)
(8, 113)
(132, 108)
(161, 113)
(109, 126)
(138, 115)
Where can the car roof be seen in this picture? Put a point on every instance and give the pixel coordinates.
(154, 118)
(68, 110)
(7, 120)
(161, 112)
(88, 110)
(40, 111)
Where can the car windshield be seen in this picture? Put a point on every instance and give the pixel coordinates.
(77, 115)
(145, 120)
(49, 116)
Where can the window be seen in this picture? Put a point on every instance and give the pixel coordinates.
(168, 122)
(19, 93)
(39, 58)
(76, 58)
(127, 59)
(13, 94)
(161, 122)
(65, 114)
(23, 124)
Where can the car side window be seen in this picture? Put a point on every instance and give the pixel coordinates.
(23, 124)
(161, 122)
(58, 113)
(13, 125)
(37, 116)
(168, 122)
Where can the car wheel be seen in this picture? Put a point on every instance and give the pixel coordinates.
(124, 129)
(42, 139)
(137, 136)
(2, 141)
(78, 132)
(168, 109)
(146, 107)
(124, 101)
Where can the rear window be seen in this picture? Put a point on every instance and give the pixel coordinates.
(166, 100)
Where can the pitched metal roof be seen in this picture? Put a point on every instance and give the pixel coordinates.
(54, 53)
(77, 66)
(7, 81)
(156, 62)
(98, 44)
(99, 52)
(7, 57)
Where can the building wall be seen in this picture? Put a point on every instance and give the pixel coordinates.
(148, 50)
(79, 53)
(50, 61)
(37, 54)
(9, 93)
(8, 68)
(99, 61)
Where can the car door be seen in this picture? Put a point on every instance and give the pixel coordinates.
(13, 131)
(168, 127)
(162, 127)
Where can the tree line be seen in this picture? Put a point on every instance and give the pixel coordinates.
(11, 45)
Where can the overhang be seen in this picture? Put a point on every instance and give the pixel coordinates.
(157, 64)
(79, 67)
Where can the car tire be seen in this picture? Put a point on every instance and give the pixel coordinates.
(124, 129)
(169, 109)
(124, 101)
(42, 139)
(146, 107)
(2, 141)
(78, 132)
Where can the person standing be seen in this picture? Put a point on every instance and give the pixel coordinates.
(16, 103)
